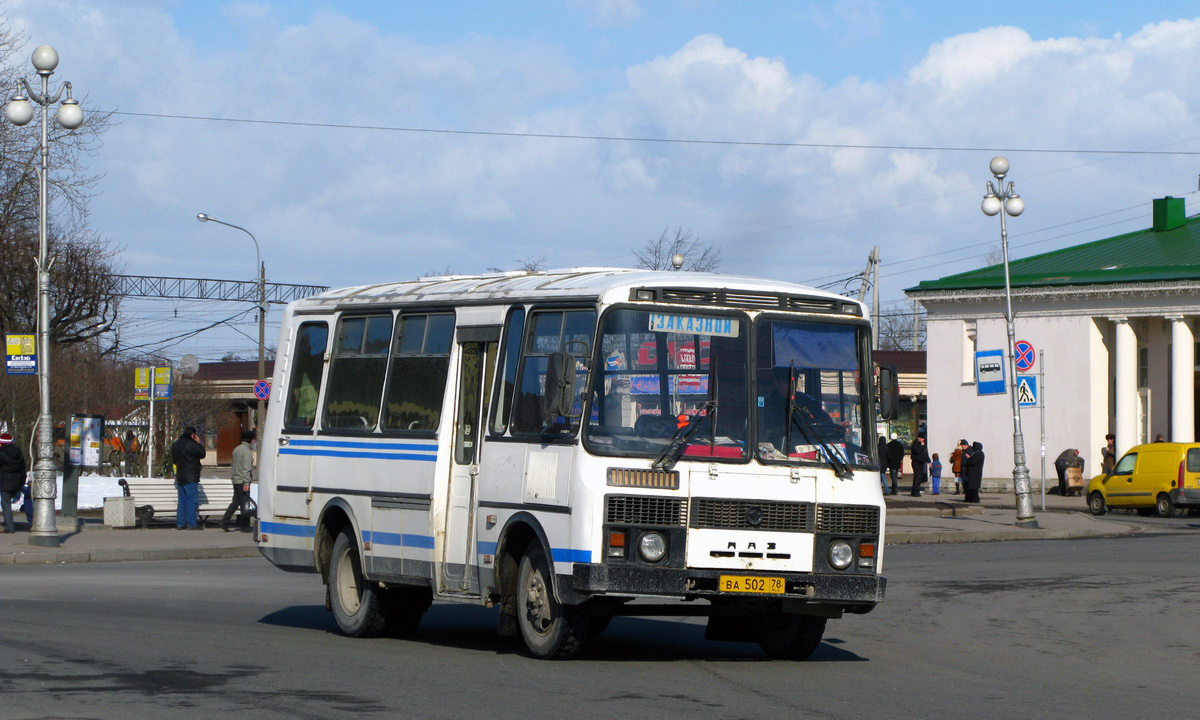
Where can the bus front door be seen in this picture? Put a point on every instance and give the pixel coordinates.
(459, 566)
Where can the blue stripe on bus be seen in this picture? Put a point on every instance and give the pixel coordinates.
(430, 446)
(367, 455)
(560, 554)
(276, 528)
(399, 539)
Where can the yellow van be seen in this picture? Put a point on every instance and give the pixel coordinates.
(1154, 478)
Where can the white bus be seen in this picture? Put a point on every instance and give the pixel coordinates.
(579, 444)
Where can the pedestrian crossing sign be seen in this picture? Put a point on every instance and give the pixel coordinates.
(1027, 391)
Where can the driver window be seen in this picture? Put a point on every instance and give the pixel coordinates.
(1125, 467)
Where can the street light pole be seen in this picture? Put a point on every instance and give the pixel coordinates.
(262, 309)
(44, 531)
(1006, 202)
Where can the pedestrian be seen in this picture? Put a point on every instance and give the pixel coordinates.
(895, 459)
(956, 465)
(935, 474)
(881, 451)
(972, 472)
(242, 474)
(1065, 460)
(12, 478)
(1108, 453)
(130, 448)
(1159, 438)
(186, 453)
(919, 454)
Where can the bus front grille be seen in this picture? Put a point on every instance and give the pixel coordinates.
(723, 514)
(642, 510)
(848, 519)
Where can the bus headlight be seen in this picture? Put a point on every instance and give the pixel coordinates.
(840, 554)
(652, 546)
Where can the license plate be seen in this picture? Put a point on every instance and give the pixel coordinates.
(750, 584)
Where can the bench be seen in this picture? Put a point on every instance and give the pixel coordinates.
(156, 497)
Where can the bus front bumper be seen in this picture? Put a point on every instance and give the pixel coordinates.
(849, 590)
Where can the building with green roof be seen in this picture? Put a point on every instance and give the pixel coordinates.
(1112, 322)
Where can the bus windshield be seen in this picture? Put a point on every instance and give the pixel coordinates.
(665, 373)
(808, 392)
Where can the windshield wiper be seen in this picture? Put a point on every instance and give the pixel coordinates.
(808, 422)
(679, 441)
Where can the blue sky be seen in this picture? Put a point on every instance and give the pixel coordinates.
(348, 205)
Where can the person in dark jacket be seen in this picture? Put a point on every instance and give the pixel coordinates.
(12, 478)
(972, 472)
(186, 454)
(895, 460)
(1066, 459)
(919, 454)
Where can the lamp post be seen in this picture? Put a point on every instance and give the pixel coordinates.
(262, 307)
(1003, 203)
(44, 531)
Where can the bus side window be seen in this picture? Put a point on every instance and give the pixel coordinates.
(417, 380)
(356, 372)
(502, 402)
(312, 339)
(551, 331)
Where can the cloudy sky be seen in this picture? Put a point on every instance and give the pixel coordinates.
(366, 141)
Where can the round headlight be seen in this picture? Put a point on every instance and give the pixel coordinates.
(840, 554)
(652, 547)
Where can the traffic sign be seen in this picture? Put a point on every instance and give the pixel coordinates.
(1027, 391)
(262, 389)
(989, 372)
(1026, 355)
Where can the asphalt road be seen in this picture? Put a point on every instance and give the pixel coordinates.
(1098, 628)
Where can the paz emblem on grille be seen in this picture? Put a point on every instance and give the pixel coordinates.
(754, 516)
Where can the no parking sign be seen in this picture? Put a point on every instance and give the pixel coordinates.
(1026, 355)
(262, 389)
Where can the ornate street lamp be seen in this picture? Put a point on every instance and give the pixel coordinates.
(1003, 203)
(20, 111)
(262, 309)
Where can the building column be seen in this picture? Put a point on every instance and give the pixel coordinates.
(1183, 363)
(1126, 400)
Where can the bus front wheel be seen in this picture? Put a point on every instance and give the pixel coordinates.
(790, 637)
(358, 604)
(549, 629)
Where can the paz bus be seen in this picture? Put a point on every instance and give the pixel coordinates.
(560, 444)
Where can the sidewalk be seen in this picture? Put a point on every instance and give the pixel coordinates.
(930, 518)
(946, 518)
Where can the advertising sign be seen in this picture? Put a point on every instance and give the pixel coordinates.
(21, 354)
(87, 434)
(141, 383)
(162, 383)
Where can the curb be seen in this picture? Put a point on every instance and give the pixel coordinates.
(967, 536)
(84, 556)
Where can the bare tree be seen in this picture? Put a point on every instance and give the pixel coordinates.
(83, 303)
(697, 256)
(899, 330)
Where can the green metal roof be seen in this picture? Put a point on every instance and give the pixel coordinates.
(1140, 256)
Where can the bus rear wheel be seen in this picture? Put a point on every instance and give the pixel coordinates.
(550, 630)
(358, 603)
(790, 637)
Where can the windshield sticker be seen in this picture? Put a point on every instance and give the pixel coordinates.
(695, 324)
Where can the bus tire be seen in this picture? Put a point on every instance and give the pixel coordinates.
(357, 603)
(790, 637)
(549, 629)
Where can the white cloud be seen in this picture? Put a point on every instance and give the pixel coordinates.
(343, 206)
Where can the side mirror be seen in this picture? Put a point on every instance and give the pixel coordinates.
(889, 392)
(560, 385)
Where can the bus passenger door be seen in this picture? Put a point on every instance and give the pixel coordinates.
(291, 472)
(458, 560)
